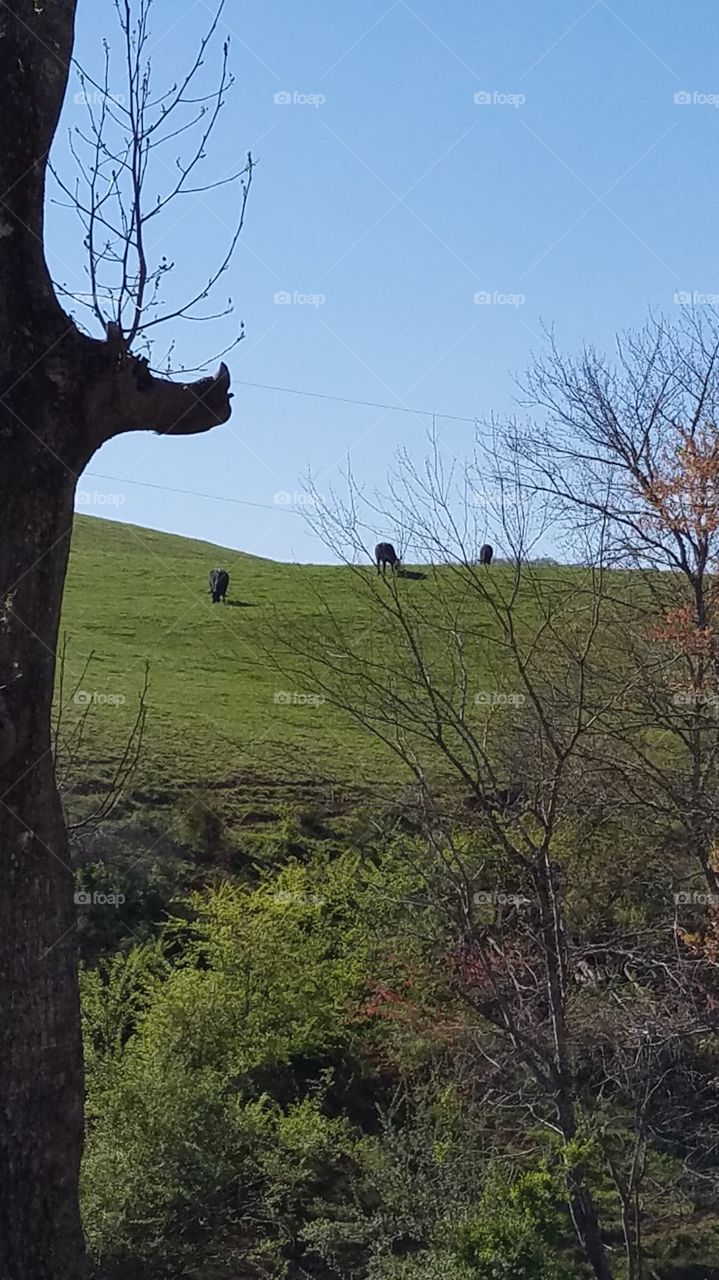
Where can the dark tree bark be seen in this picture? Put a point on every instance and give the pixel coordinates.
(62, 395)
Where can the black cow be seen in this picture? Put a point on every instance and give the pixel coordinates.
(384, 554)
(485, 554)
(506, 801)
(219, 582)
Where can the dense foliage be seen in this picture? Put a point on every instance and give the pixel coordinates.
(288, 1079)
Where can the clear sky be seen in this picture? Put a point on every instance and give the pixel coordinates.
(576, 193)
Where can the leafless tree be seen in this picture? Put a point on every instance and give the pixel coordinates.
(511, 742)
(628, 447)
(507, 696)
(67, 746)
(137, 156)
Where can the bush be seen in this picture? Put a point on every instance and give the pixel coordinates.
(520, 1233)
(189, 1170)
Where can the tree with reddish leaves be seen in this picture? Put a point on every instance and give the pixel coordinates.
(63, 393)
(625, 450)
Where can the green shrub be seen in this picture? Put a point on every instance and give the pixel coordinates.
(521, 1231)
(188, 1166)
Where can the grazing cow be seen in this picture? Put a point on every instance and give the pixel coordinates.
(505, 801)
(385, 554)
(485, 554)
(219, 582)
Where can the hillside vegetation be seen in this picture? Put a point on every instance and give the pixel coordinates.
(399, 954)
(215, 706)
(220, 702)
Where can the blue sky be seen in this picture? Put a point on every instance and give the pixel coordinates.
(576, 193)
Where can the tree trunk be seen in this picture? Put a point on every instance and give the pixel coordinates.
(40, 1046)
(581, 1202)
(582, 1207)
(62, 395)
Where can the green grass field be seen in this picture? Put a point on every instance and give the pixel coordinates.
(135, 596)
(217, 709)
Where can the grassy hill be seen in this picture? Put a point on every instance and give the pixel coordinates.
(135, 596)
(322, 960)
(218, 708)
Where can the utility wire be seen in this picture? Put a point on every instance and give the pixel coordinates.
(193, 493)
(367, 404)
(294, 391)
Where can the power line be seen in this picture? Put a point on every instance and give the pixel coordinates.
(367, 404)
(193, 493)
(295, 391)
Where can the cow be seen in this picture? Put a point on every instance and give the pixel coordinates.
(506, 801)
(219, 582)
(485, 554)
(385, 554)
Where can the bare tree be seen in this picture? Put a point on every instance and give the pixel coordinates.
(126, 184)
(63, 394)
(509, 699)
(67, 746)
(513, 743)
(630, 446)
